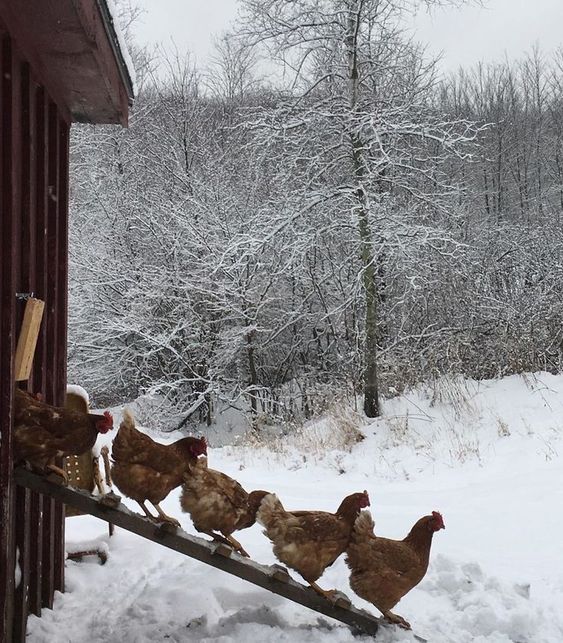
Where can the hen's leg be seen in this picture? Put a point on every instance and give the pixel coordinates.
(96, 475)
(147, 512)
(162, 517)
(327, 593)
(238, 547)
(104, 451)
(58, 471)
(397, 620)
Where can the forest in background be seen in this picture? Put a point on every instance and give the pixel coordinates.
(341, 226)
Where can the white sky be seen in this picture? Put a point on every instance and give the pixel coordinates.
(468, 35)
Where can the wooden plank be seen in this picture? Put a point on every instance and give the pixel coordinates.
(8, 226)
(61, 325)
(26, 346)
(49, 556)
(62, 265)
(48, 553)
(41, 224)
(262, 575)
(27, 276)
(51, 296)
(40, 287)
(36, 553)
(27, 340)
(23, 542)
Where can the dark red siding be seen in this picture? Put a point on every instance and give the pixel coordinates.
(34, 138)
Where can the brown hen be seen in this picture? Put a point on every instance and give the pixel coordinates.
(217, 503)
(43, 433)
(384, 570)
(310, 541)
(147, 470)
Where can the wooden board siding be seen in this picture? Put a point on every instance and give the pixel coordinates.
(8, 232)
(34, 138)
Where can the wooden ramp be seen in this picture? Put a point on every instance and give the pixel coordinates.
(273, 578)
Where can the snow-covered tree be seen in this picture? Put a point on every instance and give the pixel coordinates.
(359, 123)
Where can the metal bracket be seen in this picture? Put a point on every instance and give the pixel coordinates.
(24, 296)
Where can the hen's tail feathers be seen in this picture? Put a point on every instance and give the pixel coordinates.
(361, 534)
(269, 506)
(121, 442)
(128, 420)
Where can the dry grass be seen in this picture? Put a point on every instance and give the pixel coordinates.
(336, 430)
(456, 392)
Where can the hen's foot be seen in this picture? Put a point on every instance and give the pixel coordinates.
(397, 620)
(329, 594)
(109, 499)
(168, 520)
(238, 547)
(162, 517)
(217, 537)
(59, 472)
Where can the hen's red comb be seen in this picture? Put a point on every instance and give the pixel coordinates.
(109, 417)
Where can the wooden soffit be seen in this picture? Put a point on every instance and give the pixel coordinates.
(73, 48)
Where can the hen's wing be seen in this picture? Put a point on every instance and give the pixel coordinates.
(46, 420)
(317, 526)
(130, 446)
(229, 488)
(143, 483)
(323, 533)
(43, 432)
(384, 570)
(383, 552)
(37, 444)
(307, 541)
(214, 500)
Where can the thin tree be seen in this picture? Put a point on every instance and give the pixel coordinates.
(357, 106)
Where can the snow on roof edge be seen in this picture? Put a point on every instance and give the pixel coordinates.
(79, 391)
(121, 43)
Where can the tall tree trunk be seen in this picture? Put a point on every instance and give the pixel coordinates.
(253, 378)
(371, 393)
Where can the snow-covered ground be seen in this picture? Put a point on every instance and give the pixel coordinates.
(487, 455)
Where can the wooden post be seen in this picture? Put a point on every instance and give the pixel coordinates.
(27, 340)
(9, 235)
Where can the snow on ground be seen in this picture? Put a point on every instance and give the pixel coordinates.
(485, 454)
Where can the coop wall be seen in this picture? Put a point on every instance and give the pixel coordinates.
(34, 134)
